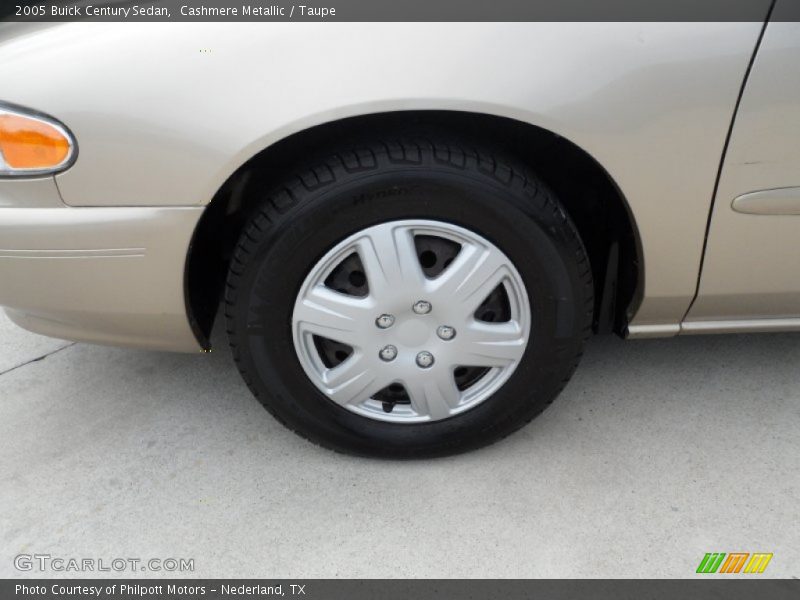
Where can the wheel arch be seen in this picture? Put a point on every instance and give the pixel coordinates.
(592, 198)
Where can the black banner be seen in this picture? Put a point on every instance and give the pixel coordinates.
(396, 10)
(399, 589)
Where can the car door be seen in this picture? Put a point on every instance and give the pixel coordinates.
(750, 278)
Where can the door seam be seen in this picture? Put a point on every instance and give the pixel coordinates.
(735, 113)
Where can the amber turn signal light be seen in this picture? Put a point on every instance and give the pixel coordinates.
(32, 145)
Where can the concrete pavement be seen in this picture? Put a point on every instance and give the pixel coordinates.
(657, 452)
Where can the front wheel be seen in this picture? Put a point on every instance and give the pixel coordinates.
(409, 298)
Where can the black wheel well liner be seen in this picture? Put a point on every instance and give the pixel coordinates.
(590, 196)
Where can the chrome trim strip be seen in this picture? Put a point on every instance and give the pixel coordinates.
(740, 326)
(636, 332)
(77, 253)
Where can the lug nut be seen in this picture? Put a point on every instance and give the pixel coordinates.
(384, 321)
(422, 307)
(424, 359)
(446, 332)
(388, 353)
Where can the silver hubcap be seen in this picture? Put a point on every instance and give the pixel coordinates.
(417, 342)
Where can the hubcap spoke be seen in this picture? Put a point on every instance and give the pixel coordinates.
(353, 381)
(332, 315)
(474, 274)
(434, 396)
(491, 345)
(390, 261)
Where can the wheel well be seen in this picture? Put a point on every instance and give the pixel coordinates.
(592, 199)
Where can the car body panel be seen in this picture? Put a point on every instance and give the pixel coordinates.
(751, 269)
(30, 193)
(100, 274)
(161, 123)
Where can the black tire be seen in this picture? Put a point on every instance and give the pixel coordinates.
(363, 184)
